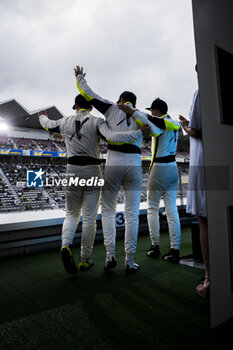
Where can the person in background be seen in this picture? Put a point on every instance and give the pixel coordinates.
(196, 196)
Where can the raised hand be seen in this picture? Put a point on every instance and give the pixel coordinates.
(79, 71)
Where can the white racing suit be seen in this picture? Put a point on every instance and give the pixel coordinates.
(123, 168)
(163, 178)
(81, 134)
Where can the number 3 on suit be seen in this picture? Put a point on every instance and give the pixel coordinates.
(120, 219)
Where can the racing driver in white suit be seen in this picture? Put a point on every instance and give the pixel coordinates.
(81, 134)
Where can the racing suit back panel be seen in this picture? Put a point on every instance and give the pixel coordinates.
(80, 135)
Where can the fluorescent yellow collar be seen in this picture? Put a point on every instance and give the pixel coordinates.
(83, 109)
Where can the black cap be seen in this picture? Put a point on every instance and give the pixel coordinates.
(128, 96)
(81, 102)
(160, 105)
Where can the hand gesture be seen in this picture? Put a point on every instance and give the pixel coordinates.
(125, 108)
(183, 121)
(43, 112)
(145, 129)
(79, 71)
(57, 136)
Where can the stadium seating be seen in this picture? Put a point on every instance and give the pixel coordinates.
(60, 144)
(22, 143)
(16, 196)
(6, 142)
(7, 200)
(47, 145)
(31, 144)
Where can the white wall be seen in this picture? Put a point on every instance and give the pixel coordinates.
(213, 24)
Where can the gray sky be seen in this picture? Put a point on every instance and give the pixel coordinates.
(143, 46)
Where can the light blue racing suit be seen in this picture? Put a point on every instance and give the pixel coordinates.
(163, 178)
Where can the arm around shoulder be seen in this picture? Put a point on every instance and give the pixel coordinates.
(141, 119)
(116, 136)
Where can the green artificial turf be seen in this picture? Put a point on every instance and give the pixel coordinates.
(42, 307)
